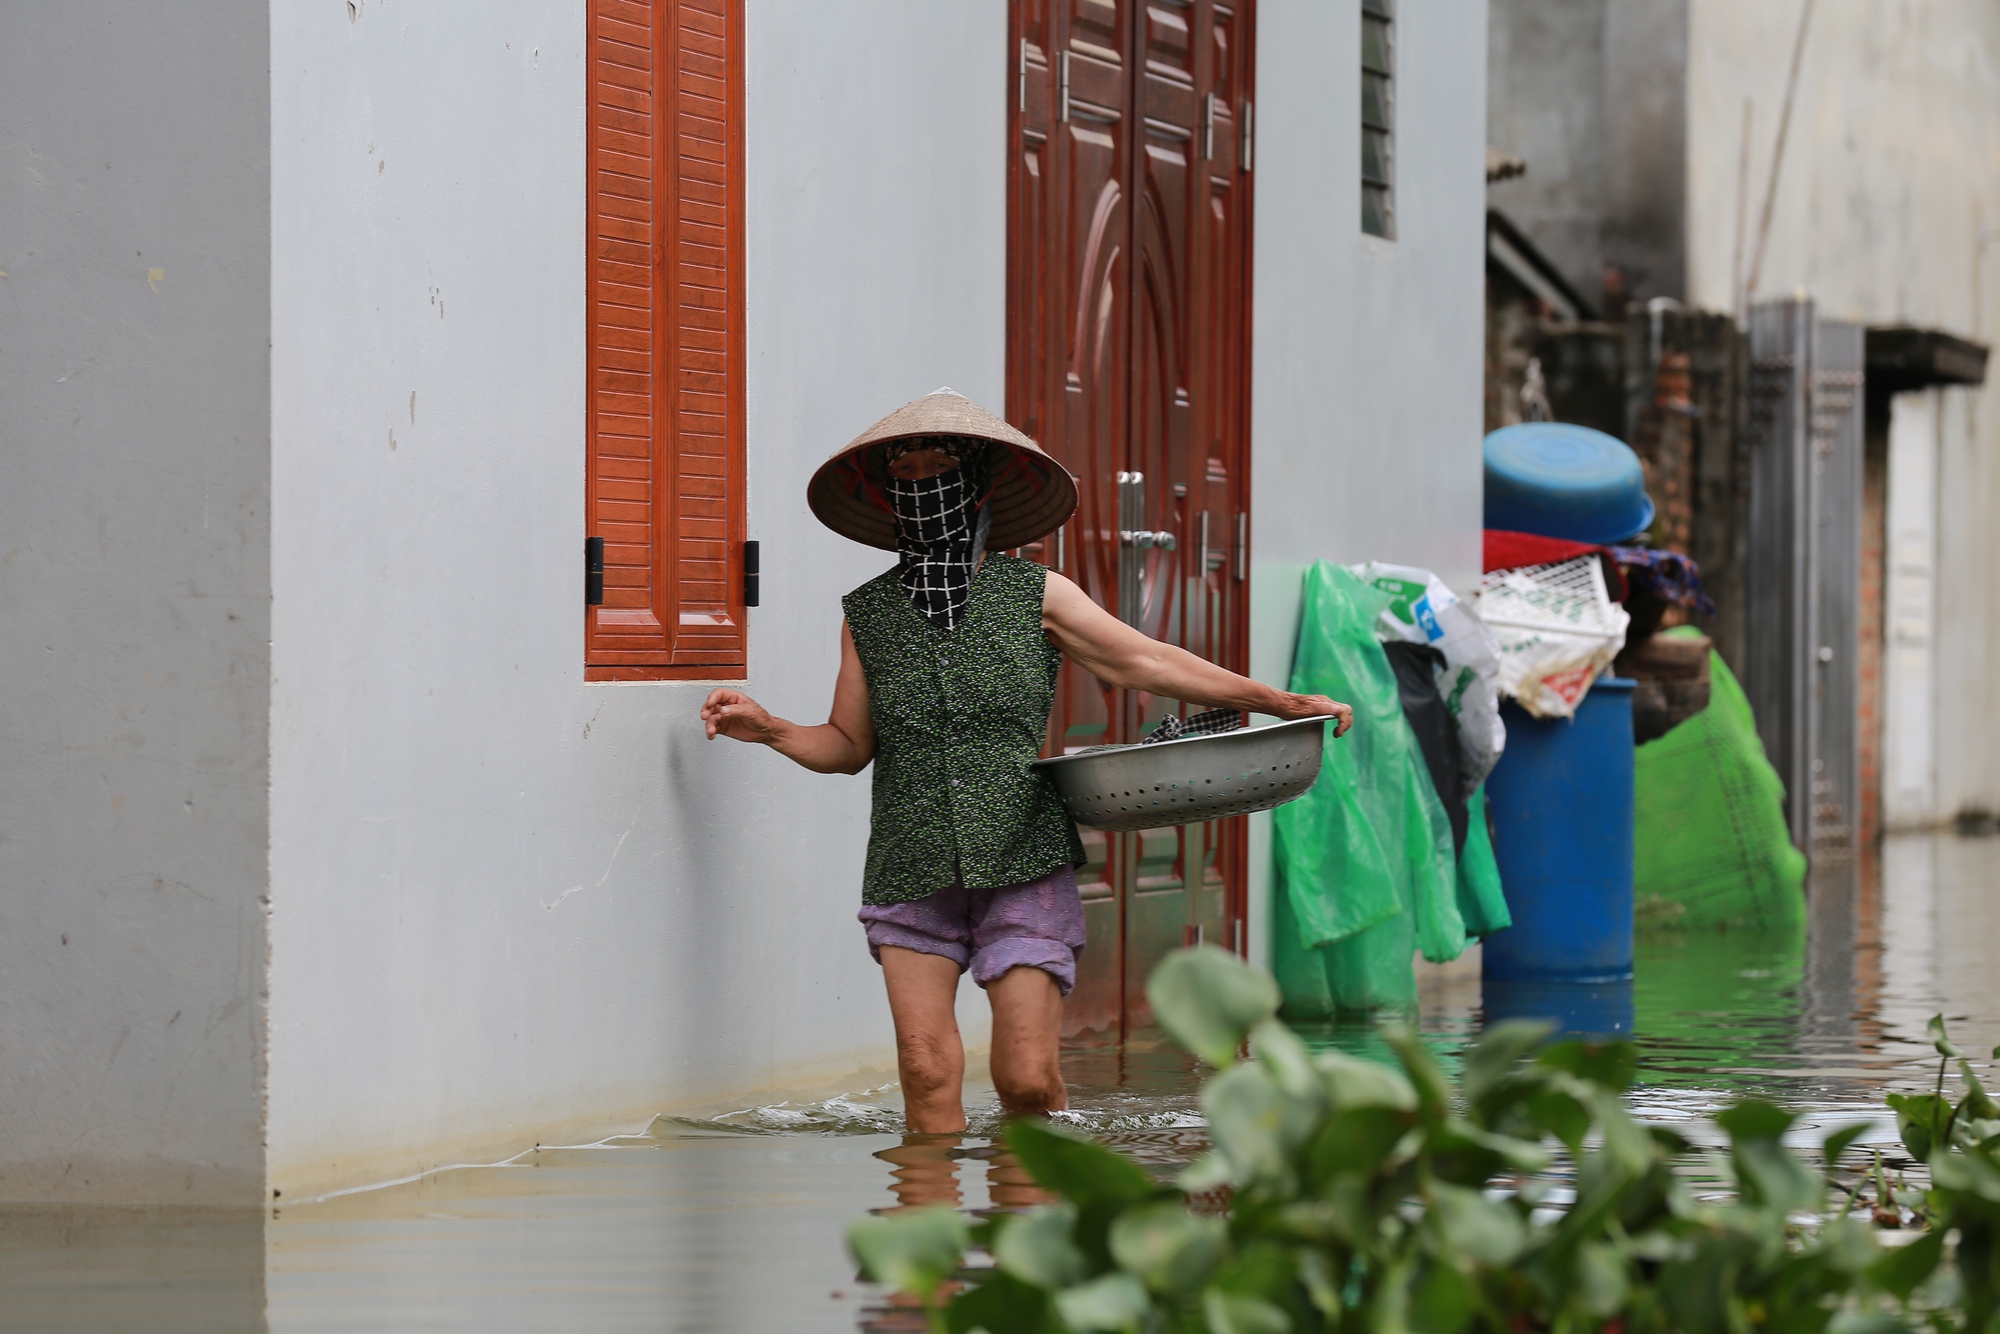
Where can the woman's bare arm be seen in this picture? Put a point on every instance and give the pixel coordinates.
(1116, 653)
(843, 744)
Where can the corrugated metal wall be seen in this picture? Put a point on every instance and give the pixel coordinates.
(1804, 568)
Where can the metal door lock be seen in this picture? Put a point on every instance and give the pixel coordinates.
(1142, 539)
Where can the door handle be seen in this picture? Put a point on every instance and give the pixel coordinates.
(1133, 543)
(1131, 513)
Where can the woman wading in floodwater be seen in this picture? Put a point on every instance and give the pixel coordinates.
(947, 675)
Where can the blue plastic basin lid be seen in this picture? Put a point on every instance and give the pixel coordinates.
(1559, 480)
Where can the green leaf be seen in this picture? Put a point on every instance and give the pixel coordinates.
(1977, 1103)
(1079, 1169)
(1625, 1141)
(1441, 1300)
(1316, 1275)
(1502, 1151)
(1356, 1140)
(1562, 1114)
(1867, 1322)
(1433, 1093)
(1767, 1172)
(1601, 1284)
(1607, 1064)
(1920, 1120)
(1208, 1000)
(1280, 1050)
(1753, 1118)
(1166, 1247)
(1209, 1172)
(1971, 1173)
(1255, 1124)
(1000, 1305)
(1939, 1038)
(910, 1252)
(1671, 1142)
(1037, 1248)
(1499, 1049)
(1239, 1313)
(1848, 1245)
(1838, 1142)
(1489, 1231)
(1114, 1302)
(1353, 1082)
(1899, 1271)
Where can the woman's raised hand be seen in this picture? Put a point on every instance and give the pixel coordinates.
(733, 714)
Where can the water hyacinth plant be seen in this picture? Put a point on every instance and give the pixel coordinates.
(1369, 1198)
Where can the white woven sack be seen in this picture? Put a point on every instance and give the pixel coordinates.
(1558, 629)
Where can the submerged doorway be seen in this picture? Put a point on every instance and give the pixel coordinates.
(1128, 358)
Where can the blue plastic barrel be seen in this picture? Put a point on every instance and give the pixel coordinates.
(1561, 799)
(1577, 1009)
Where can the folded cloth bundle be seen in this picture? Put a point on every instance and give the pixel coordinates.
(1669, 576)
(1201, 724)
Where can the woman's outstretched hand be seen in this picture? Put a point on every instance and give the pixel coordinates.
(733, 714)
(1314, 706)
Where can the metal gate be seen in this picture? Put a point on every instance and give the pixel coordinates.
(1803, 575)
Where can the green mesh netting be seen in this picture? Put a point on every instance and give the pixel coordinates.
(1710, 847)
(1365, 871)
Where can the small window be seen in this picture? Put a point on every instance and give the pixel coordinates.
(1378, 117)
(665, 489)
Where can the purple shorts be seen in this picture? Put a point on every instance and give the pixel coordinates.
(1036, 925)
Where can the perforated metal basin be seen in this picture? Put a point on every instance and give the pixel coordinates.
(1193, 779)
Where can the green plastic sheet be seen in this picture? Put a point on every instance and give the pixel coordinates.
(1366, 876)
(1710, 846)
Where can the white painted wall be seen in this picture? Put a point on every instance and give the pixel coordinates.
(1887, 209)
(1590, 95)
(504, 904)
(134, 600)
(1909, 626)
(1366, 390)
(502, 898)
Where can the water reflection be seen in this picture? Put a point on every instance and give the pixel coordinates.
(735, 1223)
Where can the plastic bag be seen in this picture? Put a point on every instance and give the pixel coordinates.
(1366, 873)
(1557, 629)
(1422, 610)
(1710, 846)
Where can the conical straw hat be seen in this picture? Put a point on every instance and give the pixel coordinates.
(1031, 493)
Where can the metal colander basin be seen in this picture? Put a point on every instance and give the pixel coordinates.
(1190, 780)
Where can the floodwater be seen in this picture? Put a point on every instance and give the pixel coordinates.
(736, 1223)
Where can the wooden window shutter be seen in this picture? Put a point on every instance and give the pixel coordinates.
(664, 316)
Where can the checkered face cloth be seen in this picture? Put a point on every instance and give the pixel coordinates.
(1200, 724)
(941, 525)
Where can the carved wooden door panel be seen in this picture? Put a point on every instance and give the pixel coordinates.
(1128, 359)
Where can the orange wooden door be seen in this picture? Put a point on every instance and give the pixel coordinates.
(1128, 358)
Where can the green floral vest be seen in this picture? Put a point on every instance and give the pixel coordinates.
(958, 718)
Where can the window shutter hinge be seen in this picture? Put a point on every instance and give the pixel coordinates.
(593, 571)
(750, 574)
(1249, 134)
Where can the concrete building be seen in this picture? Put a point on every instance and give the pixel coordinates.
(322, 862)
(1720, 154)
